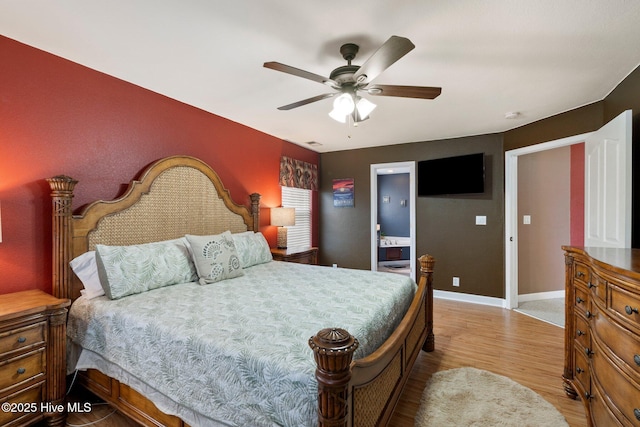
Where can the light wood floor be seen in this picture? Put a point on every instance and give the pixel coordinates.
(505, 342)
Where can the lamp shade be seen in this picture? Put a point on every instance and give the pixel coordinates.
(283, 217)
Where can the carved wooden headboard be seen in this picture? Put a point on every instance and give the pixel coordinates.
(174, 196)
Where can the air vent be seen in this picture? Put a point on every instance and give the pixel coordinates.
(313, 143)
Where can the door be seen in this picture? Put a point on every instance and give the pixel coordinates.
(607, 215)
(390, 168)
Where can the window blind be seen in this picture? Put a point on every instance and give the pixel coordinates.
(300, 199)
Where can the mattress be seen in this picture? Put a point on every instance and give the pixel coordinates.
(235, 352)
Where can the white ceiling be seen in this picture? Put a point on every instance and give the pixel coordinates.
(491, 57)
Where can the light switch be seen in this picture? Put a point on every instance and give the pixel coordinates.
(481, 220)
(526, 219)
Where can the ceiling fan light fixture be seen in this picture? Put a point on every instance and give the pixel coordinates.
(337, 116)
(365, 107)
(344, 104)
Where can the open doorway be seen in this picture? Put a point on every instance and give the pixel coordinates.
(511, 210)
(607, 213)
(393, 238)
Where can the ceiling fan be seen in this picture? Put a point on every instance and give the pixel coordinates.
(348, 80)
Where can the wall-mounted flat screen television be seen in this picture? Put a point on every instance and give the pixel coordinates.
(451, 175)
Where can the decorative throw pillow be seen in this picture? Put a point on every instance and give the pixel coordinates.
(252, 248)
(85, 267)
(127, 270)
(215, 257)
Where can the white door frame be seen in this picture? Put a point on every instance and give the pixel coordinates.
(398, 167)
(511, 209)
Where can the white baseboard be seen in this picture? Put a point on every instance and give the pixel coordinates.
(475, 299)
(541, 295)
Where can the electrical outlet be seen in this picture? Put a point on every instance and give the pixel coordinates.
(456, 281)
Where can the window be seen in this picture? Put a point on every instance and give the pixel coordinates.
(300, 199)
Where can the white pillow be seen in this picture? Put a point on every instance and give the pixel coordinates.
(85, 267)
(215, 257)
(252, 248)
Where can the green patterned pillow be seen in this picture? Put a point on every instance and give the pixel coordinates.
(127, 270)
(252, 248)
(215, 257)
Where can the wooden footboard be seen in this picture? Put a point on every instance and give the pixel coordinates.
(364, 392)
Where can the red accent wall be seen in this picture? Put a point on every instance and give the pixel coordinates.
(577, 195)
(58, 117)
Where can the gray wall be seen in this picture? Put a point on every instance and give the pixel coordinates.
(445, 224)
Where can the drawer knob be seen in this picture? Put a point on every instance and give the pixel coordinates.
(630, 310)
(587, 395)
(588, 314)
(591, 285)
(22, 339)
(579, 370)
(580, 333)
(636, 358)
(21, 371)
(636, 412)
(579, 300)
(580, 274)
(588, 352)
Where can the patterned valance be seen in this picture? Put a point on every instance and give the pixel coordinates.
(298, 174)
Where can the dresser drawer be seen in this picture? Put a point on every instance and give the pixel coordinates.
(626, 305)
(20, 369)
(622, 392)
(582, 375)
(582, 331)
(581, 272)
(18, 339)
(624, 344)
(600, 413)
(598, 287)
(582, 300)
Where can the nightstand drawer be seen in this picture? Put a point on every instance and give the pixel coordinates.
(20, 369)
(301, 255)
(29, 397)
(18, 339)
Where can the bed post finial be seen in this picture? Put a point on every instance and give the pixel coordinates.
(333, 351)
(255, 210)
(61, 194)
(426, 273)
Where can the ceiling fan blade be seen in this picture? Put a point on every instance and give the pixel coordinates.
(301, 73)
(423, 92)
(307, 101)
(392, 50)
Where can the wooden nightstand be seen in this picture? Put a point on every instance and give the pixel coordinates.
(302, 255)
(32, 358)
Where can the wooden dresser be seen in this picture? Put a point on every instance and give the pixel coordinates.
(32, 358)
(602, 333)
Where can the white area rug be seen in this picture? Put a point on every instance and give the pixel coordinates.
(547, 310)
(474, 397)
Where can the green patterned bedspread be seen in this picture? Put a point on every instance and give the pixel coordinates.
(236, 351)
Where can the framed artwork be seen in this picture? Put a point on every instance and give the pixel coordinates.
(343, 193)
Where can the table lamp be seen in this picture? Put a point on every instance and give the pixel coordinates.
(281, 218)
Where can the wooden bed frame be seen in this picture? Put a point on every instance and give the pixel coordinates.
(182, 195)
